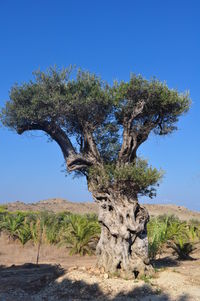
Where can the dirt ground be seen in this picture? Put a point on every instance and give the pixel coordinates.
(62, 277)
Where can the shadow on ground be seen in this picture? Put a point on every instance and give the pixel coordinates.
(28, 277)
(165, 262)
(31, 282)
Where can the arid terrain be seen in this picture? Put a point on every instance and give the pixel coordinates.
(58, 205)
(60, 276)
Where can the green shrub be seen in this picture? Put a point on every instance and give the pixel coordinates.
(11, 223)
(23, 233)
(171, 232)
(80, 235)
(3, 208)
(52, 228)
(182, 249)
(194, 229)
(157, 235)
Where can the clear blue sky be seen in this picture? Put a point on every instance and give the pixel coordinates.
(111, 38)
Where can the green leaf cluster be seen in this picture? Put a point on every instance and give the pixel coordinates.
(53, 96)
(77, 99)
(78, 102)
(163, 106)
(79, 233)
(170, 232)
(134, 178)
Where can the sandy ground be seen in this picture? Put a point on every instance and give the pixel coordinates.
(63, 277)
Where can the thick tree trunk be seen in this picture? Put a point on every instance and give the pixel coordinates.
(123, 245)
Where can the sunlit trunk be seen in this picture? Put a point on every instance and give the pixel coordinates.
(123, 245)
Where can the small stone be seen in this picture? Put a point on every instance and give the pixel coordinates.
(83, 269)
(90, 270)
(96, 272)
(73, 268)
(105, 276)
(102, 270)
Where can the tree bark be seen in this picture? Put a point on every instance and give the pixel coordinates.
(123, 245)
(74, 161)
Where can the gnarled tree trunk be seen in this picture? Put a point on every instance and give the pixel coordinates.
(123, 245)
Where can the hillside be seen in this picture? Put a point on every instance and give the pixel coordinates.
(58, 205)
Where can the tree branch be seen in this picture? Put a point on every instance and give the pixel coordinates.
(55, 132)
(129, 139)
(90, 146)
(134, 136)
(73, 160)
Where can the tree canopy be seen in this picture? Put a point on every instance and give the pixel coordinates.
(108, 122)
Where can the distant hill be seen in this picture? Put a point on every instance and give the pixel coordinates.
(58, 205)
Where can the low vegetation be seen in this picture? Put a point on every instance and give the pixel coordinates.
(166, 232)
(80, 233)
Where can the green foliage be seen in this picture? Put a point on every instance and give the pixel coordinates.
(11, 223)
(92, 217)
(55, 97)
(45, 226)
(162, 107)
(169, 231)
(158, 233)
(23, 233)
(3, 208)
(137, 177)
(146, 279)
(80, 234)
(194, 229)
(182, 249)
(153, 247)
(35, 228)
(79, 105)
(156, 236)
(51, 228)
(107, 139)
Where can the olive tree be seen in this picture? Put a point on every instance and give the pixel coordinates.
(99, 129)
